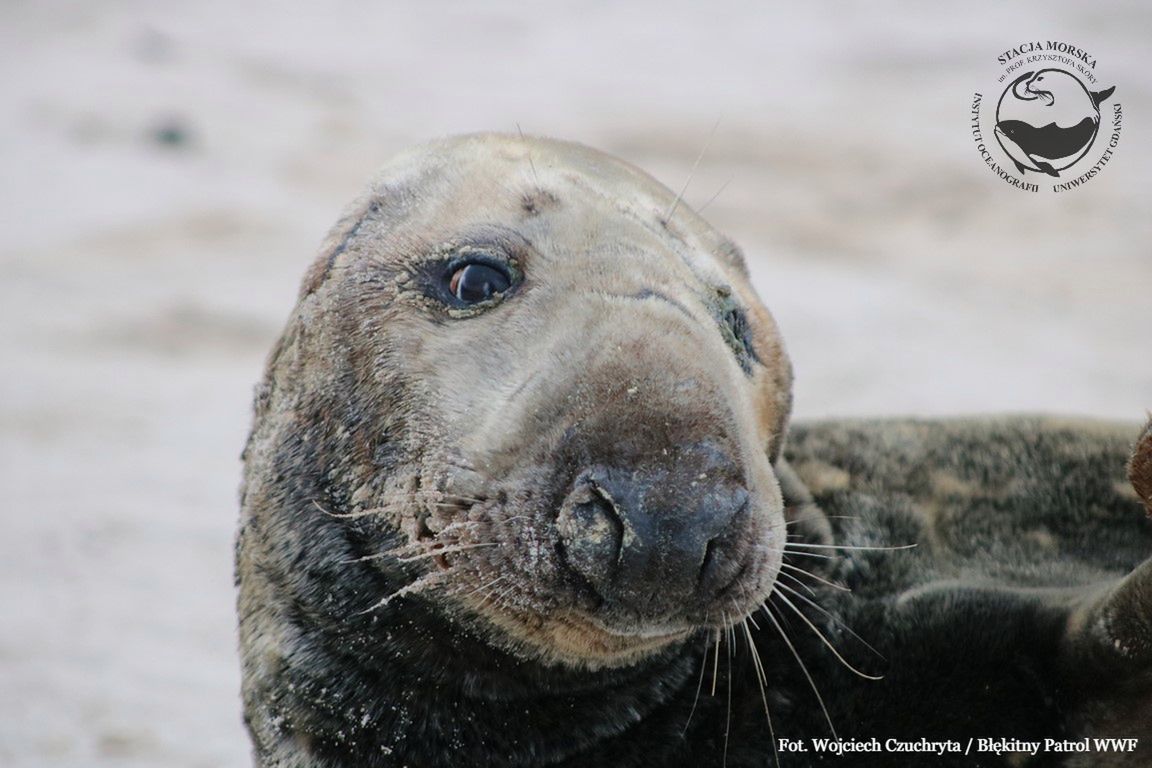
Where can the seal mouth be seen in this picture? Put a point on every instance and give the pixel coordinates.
(586, 638)
(743, 594)
(615, 565)
(657, 634)
(579, 639)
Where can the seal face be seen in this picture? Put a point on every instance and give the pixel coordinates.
(581, 380)
(516, 397)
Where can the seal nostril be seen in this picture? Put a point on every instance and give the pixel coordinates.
(707, 564)
(591, 534)
(593, 598)
(721, 566)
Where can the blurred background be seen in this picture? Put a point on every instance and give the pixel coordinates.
(168, 168)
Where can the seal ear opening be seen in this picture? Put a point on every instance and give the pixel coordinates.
(731, 255)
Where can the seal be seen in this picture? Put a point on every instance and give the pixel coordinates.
(517, 493)
(520, 428)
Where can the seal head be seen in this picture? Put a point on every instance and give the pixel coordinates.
(514, 392)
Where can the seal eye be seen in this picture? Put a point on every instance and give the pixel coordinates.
(475, 282)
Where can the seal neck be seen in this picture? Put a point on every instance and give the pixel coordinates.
(430, 690)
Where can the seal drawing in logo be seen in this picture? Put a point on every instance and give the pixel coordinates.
(1047, 120)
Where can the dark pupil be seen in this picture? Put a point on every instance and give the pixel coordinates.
(478, 282)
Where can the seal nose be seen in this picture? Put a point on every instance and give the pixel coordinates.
(646, 540)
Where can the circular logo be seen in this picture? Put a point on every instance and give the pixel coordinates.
(1046, 121)
(1055, 123)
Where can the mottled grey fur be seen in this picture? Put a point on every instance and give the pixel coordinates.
(1025, 611)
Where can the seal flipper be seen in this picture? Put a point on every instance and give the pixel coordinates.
(1099, 96)
(1047, 168)
(1113, 630)
(1140, 468)
(1110, 633)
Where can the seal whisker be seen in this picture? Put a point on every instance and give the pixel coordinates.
(369, 512)
(811, 575)
(825, 611)
(799, 520)
(419, 549)
(699, 687)
(424, 582)
(728, 715)
(348, 515)
(824, 639)
(803, 667)
(691, 173)
(446, 551)
(798, 582)
(457, 524)
(509, 589)
(748, 616)
(723, 187)
(496, 598)
(528, 155)
(487, 586)
(716, 660)
(798, 554)
(761, 679)
(789, 544)
(366, 558)
(396, 501)
(756, 664)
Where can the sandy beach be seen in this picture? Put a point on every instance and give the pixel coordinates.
(170, 169)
